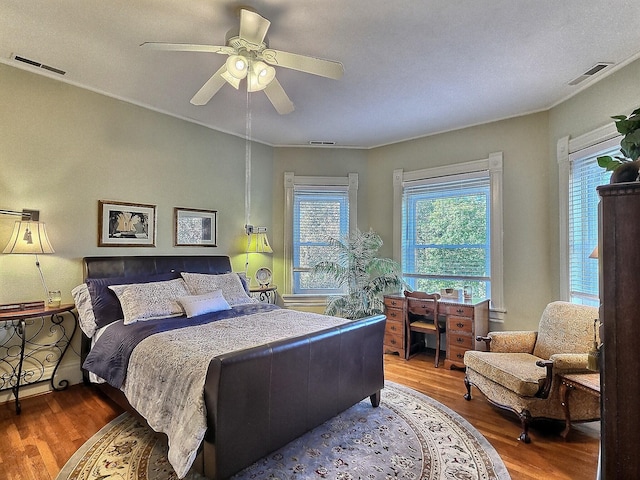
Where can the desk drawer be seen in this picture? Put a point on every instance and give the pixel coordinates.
(393, 342)
(456, 354)
(394, 315)
(458, 310)
(458, 340)
(460, 325)
(393, 302)
(395, 327)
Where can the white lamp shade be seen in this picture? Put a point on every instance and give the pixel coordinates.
(260, 76)
(259, 243)
(29, 237)
(237, 66)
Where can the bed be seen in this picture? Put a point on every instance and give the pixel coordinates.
(257, 396)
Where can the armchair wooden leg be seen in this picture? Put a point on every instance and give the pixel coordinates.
(467, 383)
(525, 420)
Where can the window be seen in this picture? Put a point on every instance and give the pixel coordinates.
(446, 235)
(448, 228)
(316, 208)
(581, 225)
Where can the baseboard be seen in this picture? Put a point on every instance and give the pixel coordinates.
(71, 373)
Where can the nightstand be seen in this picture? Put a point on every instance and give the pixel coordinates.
(264, 294)
(32, 346)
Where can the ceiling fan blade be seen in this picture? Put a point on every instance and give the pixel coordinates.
(253, 27)
(303, 63)
(278, 97)
(210, 88)
(188, 47)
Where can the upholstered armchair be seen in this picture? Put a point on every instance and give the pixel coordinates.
(520, 372)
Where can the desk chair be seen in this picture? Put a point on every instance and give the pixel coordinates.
(422, 319)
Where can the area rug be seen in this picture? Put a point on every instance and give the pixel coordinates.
(410, 436)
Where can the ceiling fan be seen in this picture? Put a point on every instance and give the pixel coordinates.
(251, 58)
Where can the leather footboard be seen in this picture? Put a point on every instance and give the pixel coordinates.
(260, 399)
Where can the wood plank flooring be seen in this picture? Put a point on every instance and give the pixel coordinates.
(36, 444)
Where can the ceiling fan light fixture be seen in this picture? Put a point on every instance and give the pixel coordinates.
(237, 66)
(260, 76)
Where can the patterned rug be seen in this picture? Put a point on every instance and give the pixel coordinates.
(409, 436)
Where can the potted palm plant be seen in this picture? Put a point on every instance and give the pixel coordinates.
(625, 169)
(365, 277)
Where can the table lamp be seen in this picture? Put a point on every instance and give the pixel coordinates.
(30, 237)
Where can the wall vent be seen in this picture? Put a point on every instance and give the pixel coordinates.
(321, 142)
(597, 68)
(33, 63)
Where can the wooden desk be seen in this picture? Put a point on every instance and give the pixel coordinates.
(30, 350)
(464, 321)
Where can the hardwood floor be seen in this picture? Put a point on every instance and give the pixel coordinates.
(36, 444)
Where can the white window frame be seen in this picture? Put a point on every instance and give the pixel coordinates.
(291, 181)
(492, 164)
(567, 150)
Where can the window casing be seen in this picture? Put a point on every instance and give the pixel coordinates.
(579, 177)
(431, 252)
(315, 209)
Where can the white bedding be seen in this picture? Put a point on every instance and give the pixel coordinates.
(166, 372)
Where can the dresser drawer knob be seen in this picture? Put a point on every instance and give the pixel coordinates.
(393, 302)
(393, 314)
(460, 310)
(460, 324)
(393, 341)
(460, 355)
(392, 328)
(460, 340)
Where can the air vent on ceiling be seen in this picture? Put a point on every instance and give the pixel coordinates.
(597, 68)
(33, 63)
(321, 142)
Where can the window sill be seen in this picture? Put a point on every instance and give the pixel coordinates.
(291, 300)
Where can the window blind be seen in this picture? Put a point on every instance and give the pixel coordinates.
(318, 213)
(584, 176)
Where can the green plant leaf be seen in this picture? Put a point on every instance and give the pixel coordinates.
(608, 163)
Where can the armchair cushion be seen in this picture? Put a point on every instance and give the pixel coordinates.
(513, 342)
(517, 372)
(565, 328)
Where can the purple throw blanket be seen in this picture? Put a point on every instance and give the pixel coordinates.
(109, 357)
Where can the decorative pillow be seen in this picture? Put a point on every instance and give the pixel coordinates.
(245, 281)
(232, 289)
(82, 299)
(106, 306)
(200, 304)
(150, 301)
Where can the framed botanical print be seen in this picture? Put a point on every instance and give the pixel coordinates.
(122, 224)
(195, 227)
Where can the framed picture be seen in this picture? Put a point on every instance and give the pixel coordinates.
(195, 228)
(122, 224)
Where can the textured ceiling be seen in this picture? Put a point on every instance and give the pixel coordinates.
(412, 67)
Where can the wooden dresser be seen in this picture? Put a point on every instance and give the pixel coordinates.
(464, 321)
(395, 309)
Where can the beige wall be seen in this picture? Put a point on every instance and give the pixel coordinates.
(523, 142)
(318, 161)
(617, 94)
(63, 148)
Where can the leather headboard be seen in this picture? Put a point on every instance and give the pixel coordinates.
(136, 266)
